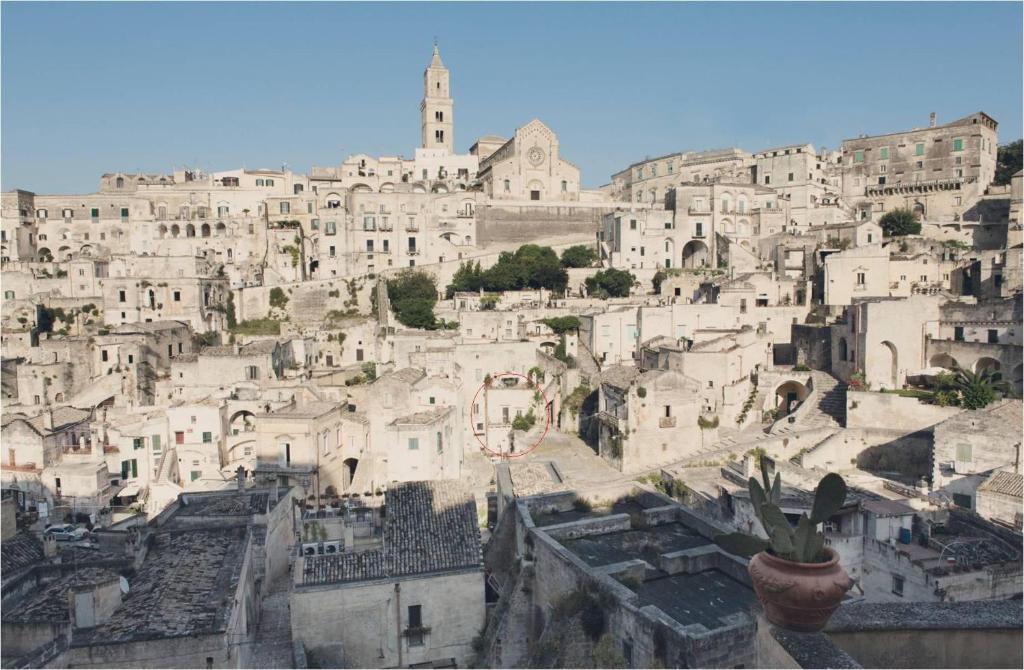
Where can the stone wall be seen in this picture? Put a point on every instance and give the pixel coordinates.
(927, 635)
(867, 409)
(524, 224)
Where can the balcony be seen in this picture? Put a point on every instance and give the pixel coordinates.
(464, 214)
(699, 210)
(667, 422)
(412, 252)
(412, 228)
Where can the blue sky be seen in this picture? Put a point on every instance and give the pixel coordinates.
(92, 88)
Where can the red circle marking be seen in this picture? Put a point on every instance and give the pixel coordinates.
(472, 414)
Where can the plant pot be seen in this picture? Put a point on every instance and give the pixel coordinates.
(799, 596)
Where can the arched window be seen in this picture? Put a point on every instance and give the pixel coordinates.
(120, 182)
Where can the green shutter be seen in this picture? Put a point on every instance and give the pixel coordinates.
(919, 150)
(155, 441)
(958, 144)
(964, 453)
(135, 468)
(138, 443)
(883, 153)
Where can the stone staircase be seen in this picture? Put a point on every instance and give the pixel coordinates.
(830, 405)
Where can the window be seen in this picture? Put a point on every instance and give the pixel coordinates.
(259, 182)
(440, 443)
(767, 179)
(332, 252)
(177, 296)
(415, 631)
(130, 469)
(508, 186)
(897, 585)
(993, 336)
(122, 296)
(565, 186)
(790, 176)
(369, 246)
(154, 441)
(858, 156)
(286, 208)
(919, 149)
(861, 279)
(104, 356)
(883, 154)
(194, 475)
(962, 500)
(698, 229)
(207, 437)
(883, 168)
(414, 443)
(138, 443)
(958, 333)
(330, 228)
(94, 214)
(958, 144)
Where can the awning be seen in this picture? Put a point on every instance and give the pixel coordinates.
(128, 491)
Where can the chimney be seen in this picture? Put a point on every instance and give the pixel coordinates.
(49, 546)
(91, 605)
(931, 120)
(48, 418)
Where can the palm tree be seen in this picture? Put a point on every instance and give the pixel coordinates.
(977, 390)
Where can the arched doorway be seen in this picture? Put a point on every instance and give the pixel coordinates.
(987, 363)
(894, 362)
(844, 353)
(788, 396)
(695, 254)
(242, 421)
(349, 472)
(943, 361)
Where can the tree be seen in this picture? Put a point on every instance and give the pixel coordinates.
(610, 283)
(899, 222)
(1009, 161)
(413, 295)
(469, 277)
(549, 275)
(978, 389)
(562, 324)
(278, 298)
(578, 256)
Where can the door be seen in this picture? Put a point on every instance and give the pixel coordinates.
(534, 195)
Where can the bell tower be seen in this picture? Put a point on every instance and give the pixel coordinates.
(436, 108)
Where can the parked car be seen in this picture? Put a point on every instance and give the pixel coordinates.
(67, 533)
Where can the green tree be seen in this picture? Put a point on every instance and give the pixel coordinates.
(562, 324)
(978, 389)
(1009, 161)
(579, 256)
(278, 297)
(610, 283)
(899, 222)
(469, 277)
(659, 277)
(413, 295)
(549, 275)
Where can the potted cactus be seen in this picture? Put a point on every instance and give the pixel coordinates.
(796, 577)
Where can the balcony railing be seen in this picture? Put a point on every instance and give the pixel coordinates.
(413, 252)
(412, 228)
(698, 210)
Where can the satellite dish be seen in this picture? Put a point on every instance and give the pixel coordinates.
(124, 585)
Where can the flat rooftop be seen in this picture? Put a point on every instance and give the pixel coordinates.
(228, 503)
(626, 545)
(701, 598)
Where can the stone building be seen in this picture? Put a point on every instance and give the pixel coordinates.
(407, 591)
(938, 172)
(529, 167)
(797, 174)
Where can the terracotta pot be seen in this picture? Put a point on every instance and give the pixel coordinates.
(799, 596)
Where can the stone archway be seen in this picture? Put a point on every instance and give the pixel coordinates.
(788, 396)
(695, 254)
(987, 363)
(894, 363)
(943, 361)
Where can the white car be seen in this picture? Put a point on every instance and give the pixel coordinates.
(67, 533)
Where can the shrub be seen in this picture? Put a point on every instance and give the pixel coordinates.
(413, 295)
(705, 424)
(899, 222)
(524, 422)
(579, 256)
(641, 392)
(800, 367)
(562, 324)
(258, 327)
(278, 298)
(610, 283)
